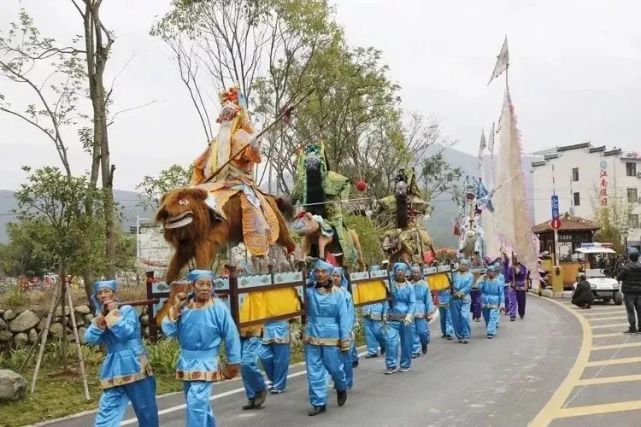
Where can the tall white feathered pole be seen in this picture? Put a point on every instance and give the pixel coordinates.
(511, 204)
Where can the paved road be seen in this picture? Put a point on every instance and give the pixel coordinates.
(604, 386)
(504, 382)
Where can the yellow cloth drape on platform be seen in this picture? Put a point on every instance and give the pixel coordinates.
(269, 303)
(438, 281)
(371, 290)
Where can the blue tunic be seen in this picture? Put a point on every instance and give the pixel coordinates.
(424, 303)
(328, 319)
(200, 332)
(126, 359)
(492, 293)
(403, 301)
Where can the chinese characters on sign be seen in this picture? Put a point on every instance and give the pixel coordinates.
(603, 184)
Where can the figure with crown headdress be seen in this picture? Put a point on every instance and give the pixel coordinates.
(223, 204)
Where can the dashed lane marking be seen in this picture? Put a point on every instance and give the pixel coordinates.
(607, 408)
(611, 325)
(614, 346)
(609, 380)
(614, 334)
(609, 362)
(601, 319)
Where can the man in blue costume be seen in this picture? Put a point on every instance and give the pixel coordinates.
(423, 312)
(400, 324)
(339, 279)
(275, 354)
(445, 314)
(125, 373)
(460, 302)
(373, 317)
(492, 299)
(201, 323)
(327, 335)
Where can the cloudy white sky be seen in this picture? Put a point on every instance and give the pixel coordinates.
(575, 75)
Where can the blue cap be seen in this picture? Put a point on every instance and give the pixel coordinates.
(401, 266)
(200, 274)
(105, 284)
(493, 267)
(322, 265)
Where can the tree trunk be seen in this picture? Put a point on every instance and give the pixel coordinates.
(97, 54)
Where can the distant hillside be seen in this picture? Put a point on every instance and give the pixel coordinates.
(439, 224)
(130, 202)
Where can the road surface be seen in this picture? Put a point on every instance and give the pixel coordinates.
(500, 382)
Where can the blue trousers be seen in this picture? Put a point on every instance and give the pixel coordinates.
(374, 336)
(460, 308)
(321, 360)
(275, 360)
(197, 395)
(421, 334)
(445, 316)
(399, 333)
(251, 374)
(113, 403)
(354, 352)
(491, 317)
(348, 368)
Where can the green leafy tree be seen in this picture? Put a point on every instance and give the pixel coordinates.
(153, 188)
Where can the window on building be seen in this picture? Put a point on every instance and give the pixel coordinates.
(631, 169)
(632, 195)
(575, 174)
(577, 199)
(634, 221)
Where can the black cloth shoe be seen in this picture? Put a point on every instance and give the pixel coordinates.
(355, 364)
(424, 348)
(316, 410)
(249, 405)
(371, 356)
(631, 330)
(259, 399)
(382, 351)
(341, 397)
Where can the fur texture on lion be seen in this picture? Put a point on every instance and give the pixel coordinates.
(196, 228)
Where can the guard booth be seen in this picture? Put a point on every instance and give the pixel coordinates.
(574, 232)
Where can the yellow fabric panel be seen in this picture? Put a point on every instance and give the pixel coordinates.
(438, 281)
(371, 290)
(269, 303)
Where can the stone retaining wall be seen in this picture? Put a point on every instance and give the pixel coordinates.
(19, 328)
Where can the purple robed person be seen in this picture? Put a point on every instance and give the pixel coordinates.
(517, 276)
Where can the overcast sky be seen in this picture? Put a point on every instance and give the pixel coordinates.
(575, 75)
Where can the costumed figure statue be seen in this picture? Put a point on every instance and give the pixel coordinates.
(408, 242)
(468, 226)
(223, 205)
(320, 191)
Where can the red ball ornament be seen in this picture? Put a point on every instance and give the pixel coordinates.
(361, 186)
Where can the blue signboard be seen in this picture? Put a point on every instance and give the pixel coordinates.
(555, 206)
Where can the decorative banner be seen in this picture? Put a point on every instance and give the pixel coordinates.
(603, 184)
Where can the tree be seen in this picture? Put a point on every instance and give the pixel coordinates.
(153, 188)
(614, 222)
(98, 41)
(52, 75)
(52, 214)
(57, 78)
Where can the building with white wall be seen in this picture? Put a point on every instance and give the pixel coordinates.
(586, 177)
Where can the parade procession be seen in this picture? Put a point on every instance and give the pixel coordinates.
(249, 308)
(309, 231)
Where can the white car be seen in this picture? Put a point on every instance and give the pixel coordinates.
(603, 287)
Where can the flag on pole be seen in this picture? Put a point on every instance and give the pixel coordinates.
(502, 62)
(482, 146)
(510, 203)
(490, 145)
